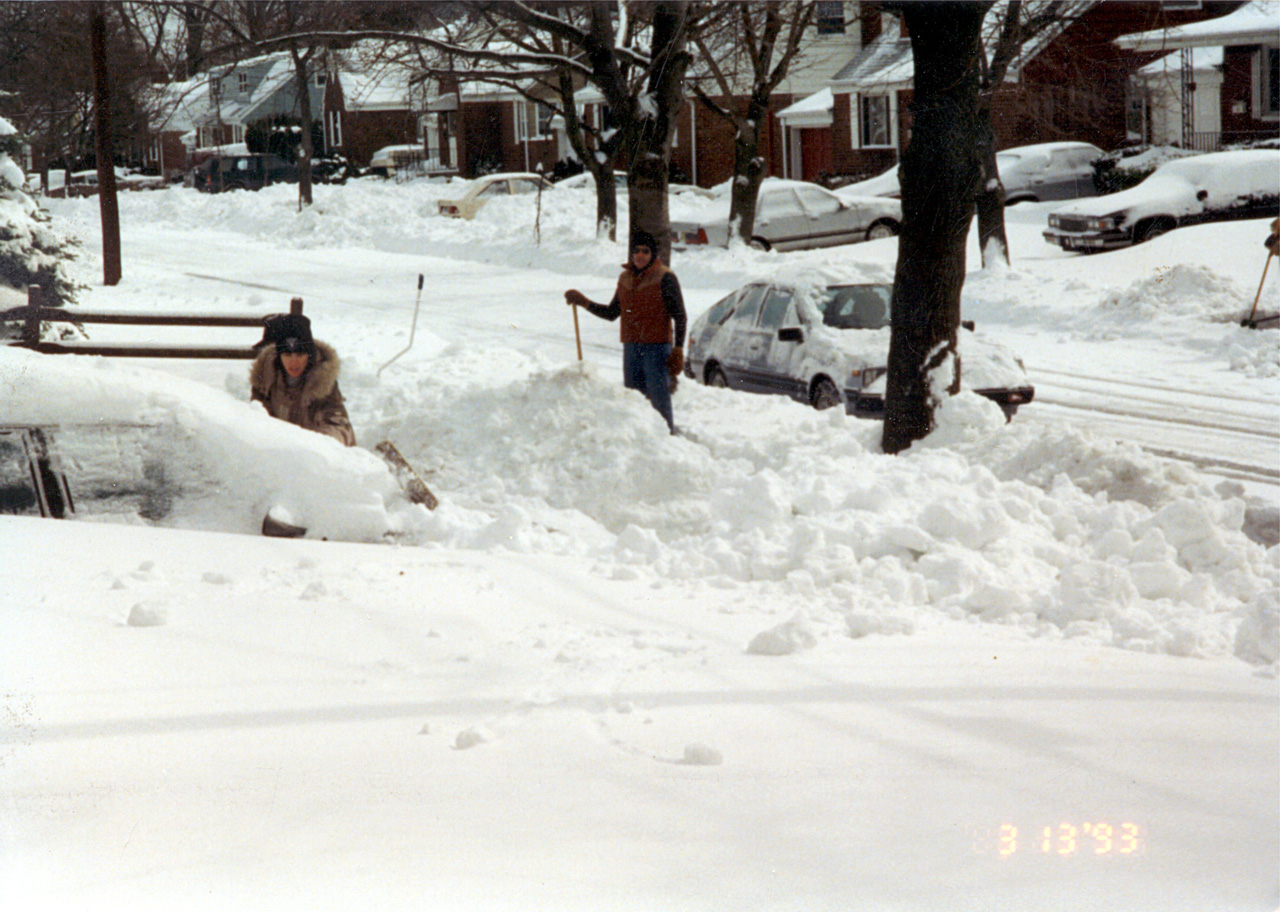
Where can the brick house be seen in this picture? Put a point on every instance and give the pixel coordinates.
(365, 112)
(1248, 40)
(1071, 82)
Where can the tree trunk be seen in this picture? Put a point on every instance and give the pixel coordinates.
(939, 173)
(305, 151)
(108, 205)
(748, 170)
(651, 158)
(993, 243)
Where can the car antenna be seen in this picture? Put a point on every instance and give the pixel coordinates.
(412, 329)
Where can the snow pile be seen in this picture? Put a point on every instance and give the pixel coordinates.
(1176, 292)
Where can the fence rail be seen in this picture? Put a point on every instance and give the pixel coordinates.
(33, 313)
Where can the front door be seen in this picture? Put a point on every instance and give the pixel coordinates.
(815, 153)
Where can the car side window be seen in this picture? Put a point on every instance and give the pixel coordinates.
(523, 186)
(776, 304)
(497, 188)
(748, 306)
(816, 203)
(719, 310)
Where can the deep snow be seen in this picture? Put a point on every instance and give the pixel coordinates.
(757, 666)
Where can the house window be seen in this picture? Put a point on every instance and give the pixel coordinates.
(321, 79)
(533, 120)
(335, 129)
(873, 120)
(830, 18)
(242, 83)
(1270, 94)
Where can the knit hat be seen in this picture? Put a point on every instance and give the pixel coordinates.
(644, 239)
(288, 333)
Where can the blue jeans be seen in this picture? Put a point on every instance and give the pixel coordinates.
(644, 368)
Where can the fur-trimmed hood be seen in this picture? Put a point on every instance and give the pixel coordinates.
(317, 383)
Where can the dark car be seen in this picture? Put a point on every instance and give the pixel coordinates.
(826, 343)
(1217, 187)
(252, 171)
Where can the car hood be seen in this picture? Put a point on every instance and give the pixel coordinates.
(1156, 195)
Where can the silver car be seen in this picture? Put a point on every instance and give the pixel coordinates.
(828, 345)
(796, 215)
(1030, 174)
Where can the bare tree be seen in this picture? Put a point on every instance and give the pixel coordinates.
(1004, 38)
(939, 172)
(599, 45)
(768, 38)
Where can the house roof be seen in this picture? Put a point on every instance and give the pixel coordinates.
(885, 63)
(812, 111)
(888, 63)
(384, 90)
(1257, 22)
(1203, 60)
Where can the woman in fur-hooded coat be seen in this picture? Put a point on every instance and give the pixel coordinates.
(310, 400)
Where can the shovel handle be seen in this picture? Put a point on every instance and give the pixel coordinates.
(1258, 297)
(577, 335)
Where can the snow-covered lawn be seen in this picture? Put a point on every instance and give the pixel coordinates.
(756, 666)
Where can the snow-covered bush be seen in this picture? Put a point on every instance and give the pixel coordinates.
(31, 252)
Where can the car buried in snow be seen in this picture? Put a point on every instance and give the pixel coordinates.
(1217, 187)
(489, 187)
(824, 341)
(796, 215)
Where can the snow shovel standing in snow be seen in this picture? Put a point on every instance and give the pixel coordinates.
(413, 486)
(1273, 249)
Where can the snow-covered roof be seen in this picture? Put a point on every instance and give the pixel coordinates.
(813, 110)
(884, 63)
(1203, 60)
(888, 63)
(1257, 22)
(181, 105)
(385, 90)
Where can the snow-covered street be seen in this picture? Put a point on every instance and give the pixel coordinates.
(757, 666)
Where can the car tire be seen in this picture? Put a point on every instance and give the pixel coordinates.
(825, 395)
(236, 186)
(716, 377)
(759, 243)
(1152, 229)
(882, 229)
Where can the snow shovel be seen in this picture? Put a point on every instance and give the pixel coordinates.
(577, 335)
(1250, 322)
(414, 487)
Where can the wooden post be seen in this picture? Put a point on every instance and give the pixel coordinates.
(31, 325)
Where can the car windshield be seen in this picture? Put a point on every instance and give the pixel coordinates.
(855, 306)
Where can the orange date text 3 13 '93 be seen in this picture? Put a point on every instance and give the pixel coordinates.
(1066, 839)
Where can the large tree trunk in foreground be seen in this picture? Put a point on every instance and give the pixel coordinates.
(939, 173)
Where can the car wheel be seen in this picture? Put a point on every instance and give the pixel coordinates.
(236, 186)
(882, 229)
(825, 395)
(759, 243)
(716, 377)
(1152, 229)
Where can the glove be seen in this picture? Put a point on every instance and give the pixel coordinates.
(573, 296)
(675, 362)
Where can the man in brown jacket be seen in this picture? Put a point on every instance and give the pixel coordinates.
(295, 377)
(649, 301)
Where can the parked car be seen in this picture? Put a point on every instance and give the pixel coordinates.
(796, 215)
(251, 171)
(588, 180)
(486, 188)
(1038, 173)
(825, 342)
(1217, 187)
(85, 183)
